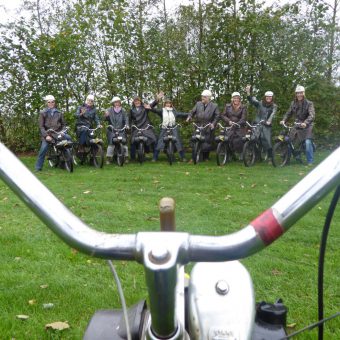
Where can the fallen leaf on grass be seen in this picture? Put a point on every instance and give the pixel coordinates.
(32, 302)
(151, 218)
(22, 317)
(228, 197)
(86, 192)
(276, 272)
(291, 325)
(74, 251)
(58, 325)
(242, 186)
(5, 199)
(253, 185)
(43, 286)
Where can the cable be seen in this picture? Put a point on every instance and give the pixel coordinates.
(323, 242)
(122, 299)
(313, 325)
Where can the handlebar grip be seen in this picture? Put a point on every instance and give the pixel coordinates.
(167, 214)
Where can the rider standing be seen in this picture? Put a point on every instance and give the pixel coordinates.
(266, 110)
(140, 118)
(235, 113)
(168, 115)
(86, 116)
(117, 117)
(304, 113)
(49, 118)
(206, 112)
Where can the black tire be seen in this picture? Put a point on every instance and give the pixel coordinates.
(196, 152)
(68, 159)
(170, 152)
(222, 153)
(52, 157)
(249, 154)
(120, 155)
(141, 152)
(97, 155)
(280, 154)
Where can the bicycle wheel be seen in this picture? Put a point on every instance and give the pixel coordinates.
(140, 152)
(52, 156)
(170, 152)
(221, 153)
(280, 154)
(196, 152)
(120, 155)
(97, 155)
(68, 159)
(249, 154)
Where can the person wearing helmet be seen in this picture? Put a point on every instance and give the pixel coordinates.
(49, 118)
(304, 113)
(235, 112)
(266, 110)
(168, 115)
(206, 112)
(86, 115)
(118, 118)
(139, 117)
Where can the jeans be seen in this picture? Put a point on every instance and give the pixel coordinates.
(309, 151)
(42, 153)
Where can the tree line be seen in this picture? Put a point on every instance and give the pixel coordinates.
(139, 47)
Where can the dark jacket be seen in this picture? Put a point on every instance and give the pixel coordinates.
(141, 119)
(265, 111)
(117, 120)
(51, 119)
(88, 118)
(205, 114)
(303, 112)
(239, 116)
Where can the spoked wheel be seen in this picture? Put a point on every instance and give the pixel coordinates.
(97, 155)
(249, 154)
(120, 155)
(170, 152)
(68, 159)
(197, 152)
(222, 154)
(141, 152)
(280, 154)
(52, 156)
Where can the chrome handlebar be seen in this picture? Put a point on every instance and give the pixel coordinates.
(262, 231)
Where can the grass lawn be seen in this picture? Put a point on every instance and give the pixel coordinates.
(36, 267)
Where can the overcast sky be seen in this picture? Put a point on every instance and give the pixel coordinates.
(8, 8)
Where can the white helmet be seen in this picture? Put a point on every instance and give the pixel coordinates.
(90, 97)
(235, 94)
(299, 88)
(206, 93)
(49, 97)
(115, 99)
(269, 94)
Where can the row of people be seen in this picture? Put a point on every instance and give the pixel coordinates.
(205, 112)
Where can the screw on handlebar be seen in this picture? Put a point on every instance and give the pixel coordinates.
(167, 214)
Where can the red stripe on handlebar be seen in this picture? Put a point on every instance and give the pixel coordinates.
(267, 226)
